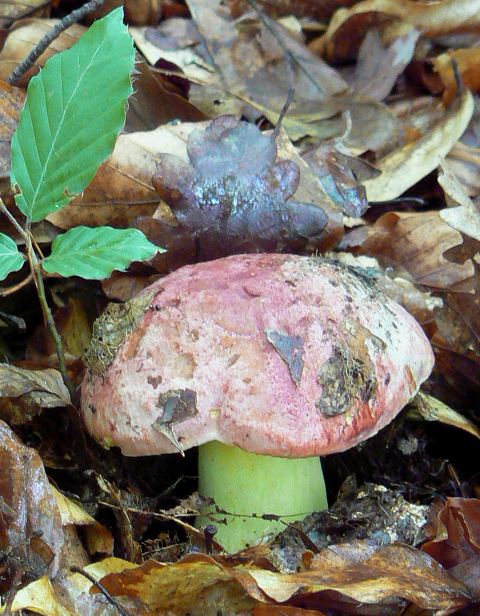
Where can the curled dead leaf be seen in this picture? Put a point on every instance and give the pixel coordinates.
(456, 540)
(358, 572)
(415, 242)
(30, 522)
(431, 409)
(404, 167)
(467, 62)
(45, 387)
(347, 28)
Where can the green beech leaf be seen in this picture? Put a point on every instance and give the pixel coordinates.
(11, 260)
(74, 110)
(94, 253)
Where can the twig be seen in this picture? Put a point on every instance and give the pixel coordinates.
(458, 77)
(102, 589)
(283, 112)
(40, 47)
(16, 287)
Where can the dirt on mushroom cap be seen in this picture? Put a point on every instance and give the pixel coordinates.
(279, 354)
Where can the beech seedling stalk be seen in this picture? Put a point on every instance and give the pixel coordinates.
(74, 109)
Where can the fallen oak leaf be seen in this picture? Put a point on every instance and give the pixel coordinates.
(233, 194)
(403, 168)
(98, 537)
(67, 595)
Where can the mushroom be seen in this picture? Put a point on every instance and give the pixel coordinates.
(266, 362)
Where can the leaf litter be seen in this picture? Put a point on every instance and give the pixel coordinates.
(376, 161)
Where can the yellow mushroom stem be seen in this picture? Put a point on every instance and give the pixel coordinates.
(249, 486)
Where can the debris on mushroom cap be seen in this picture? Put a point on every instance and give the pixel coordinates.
(279, 354)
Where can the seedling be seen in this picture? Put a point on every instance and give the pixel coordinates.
(74, 109)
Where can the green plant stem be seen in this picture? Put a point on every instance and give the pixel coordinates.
(47, 313)
(37, 276)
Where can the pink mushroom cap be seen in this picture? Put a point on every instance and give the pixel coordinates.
(279, 354)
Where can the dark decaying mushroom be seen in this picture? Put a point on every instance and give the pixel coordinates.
(266, 362)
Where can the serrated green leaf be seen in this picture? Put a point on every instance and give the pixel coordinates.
(93, 253)
(11, 259)
(74, 110)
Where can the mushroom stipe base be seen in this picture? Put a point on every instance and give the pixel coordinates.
(244, 483)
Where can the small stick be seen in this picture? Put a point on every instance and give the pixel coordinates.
(16, 287)
(283, 112)
(102, 589)
(40, 47)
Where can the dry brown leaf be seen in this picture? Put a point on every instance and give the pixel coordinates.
(348, 27)
(24, 36)
(368, 574)
(277, 60)
(431, 409)
(456, 541)
(30, 522)
(404, 167)
(467, 61)
(415, 242)
(462, 215)
(320, 11)
(360, 572)
(379, 66)
(99, 540)
(154, 103)
(11, 102)
(283, 610)
(16, 9)
(74, 322)
(69, 594)
(137, 12)
(40, 598)
(197, 585)
(45, 387)
(122, 188)
(464, 161)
